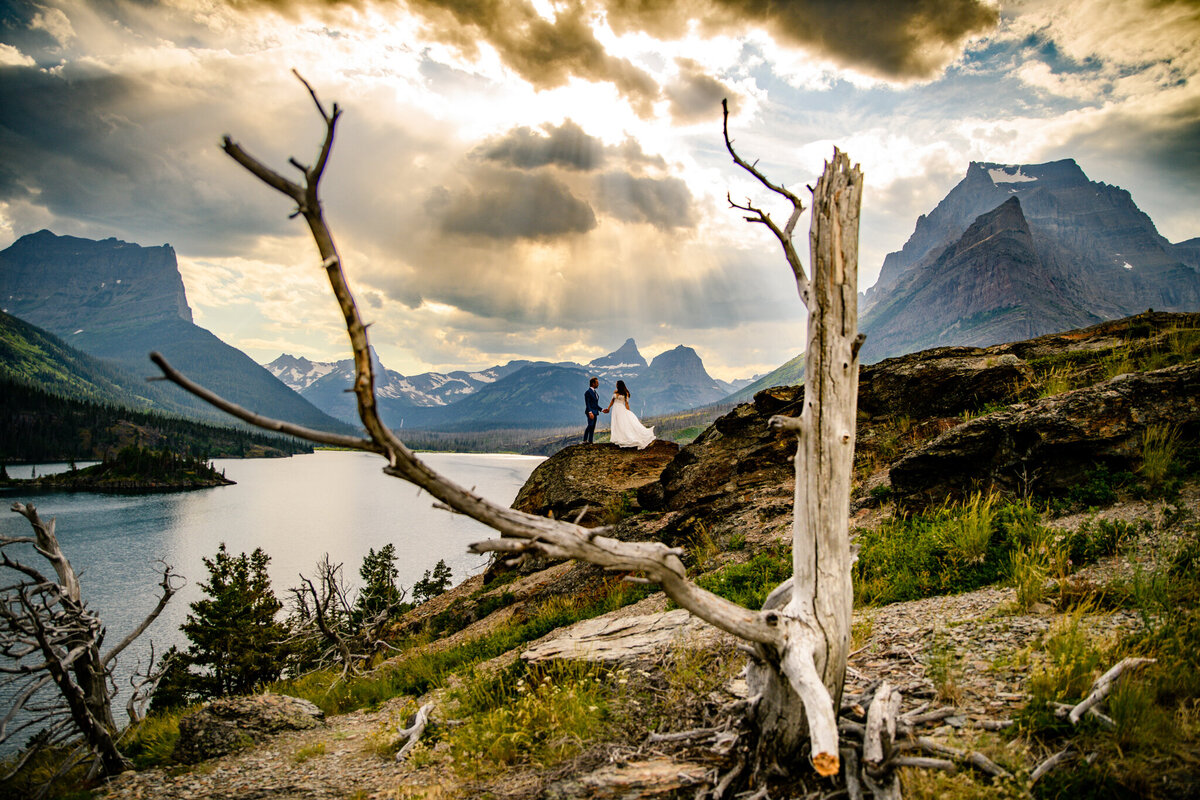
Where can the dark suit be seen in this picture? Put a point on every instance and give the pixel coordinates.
(592, 402)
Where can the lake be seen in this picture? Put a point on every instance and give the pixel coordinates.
(296, 509)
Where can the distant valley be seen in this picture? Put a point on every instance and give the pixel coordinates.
(519, 394)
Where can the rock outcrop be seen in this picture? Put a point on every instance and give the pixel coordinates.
(232, 723)
(600, 480)
(941, 382)
(1052, 443)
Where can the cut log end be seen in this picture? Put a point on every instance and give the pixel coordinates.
(826, 764)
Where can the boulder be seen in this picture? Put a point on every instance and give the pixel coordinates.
(942, 382)
(232, 723)
(1055, 441)
(603, 478)
(738, 453)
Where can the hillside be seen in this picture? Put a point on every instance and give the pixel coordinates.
(57, 403)
(36, 357)
(37, 426)
(987, 611)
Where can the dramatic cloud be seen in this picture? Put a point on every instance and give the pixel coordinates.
(545, 52)
(695, 95)
(664, 203)
(882, 37)
(93, 147)
(518, 206)
(527, 179)
(565, 146)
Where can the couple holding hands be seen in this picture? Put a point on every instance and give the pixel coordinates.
(627, 429)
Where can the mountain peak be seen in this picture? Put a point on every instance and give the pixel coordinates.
(70, 285)
(1065, 172)
(627, 355)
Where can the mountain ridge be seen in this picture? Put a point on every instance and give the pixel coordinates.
(1085, 253)
(119, 301)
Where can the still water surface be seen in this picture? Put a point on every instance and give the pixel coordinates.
(296, 509)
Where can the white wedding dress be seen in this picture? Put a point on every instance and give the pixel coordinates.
(627, 430)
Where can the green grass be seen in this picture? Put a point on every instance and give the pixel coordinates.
(151, 741)
(536, 715)
(749, 582)
(306, 753)
(1160, 446)
(424, 670)
(950, 549)
(1156, 708)
(960, 547)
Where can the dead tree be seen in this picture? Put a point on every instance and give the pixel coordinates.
(801, 635)
(324, 627)
(805, 680)
(51, 641)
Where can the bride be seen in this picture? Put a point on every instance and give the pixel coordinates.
(627, 430)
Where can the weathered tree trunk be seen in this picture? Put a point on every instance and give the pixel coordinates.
(819, 603)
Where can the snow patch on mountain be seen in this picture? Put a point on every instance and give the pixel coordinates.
(1009, 174)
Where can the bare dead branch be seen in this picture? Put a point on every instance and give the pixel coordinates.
(1103, 686)
(1050, 763)
(412, 734)
(784, 236)
(258, 420)
(169, 588)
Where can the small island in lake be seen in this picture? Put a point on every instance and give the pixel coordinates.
(133, 470)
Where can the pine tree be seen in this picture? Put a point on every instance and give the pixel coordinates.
(431, 586)
(236, 641)
(379, 591)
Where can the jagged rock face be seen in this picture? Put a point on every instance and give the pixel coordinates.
(626, 357)
(736, 477)
(79, 288)
(941, 382)
(989, 286)
(1189, 252)
(594, 476)
(232, 723)
(1055, 441)
(1086, 253)
(120, 301)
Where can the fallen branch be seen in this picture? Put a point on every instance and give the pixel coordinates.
(924, 762)
(680, 736)
(1049, 764)
(880, 733)
(412, 734)
(1104, 685)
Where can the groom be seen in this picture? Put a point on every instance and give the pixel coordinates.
(592, 405)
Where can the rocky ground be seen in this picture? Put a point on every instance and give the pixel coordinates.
(969, 654)
(962, 661)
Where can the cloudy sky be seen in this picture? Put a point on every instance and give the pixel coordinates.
(539, 179)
